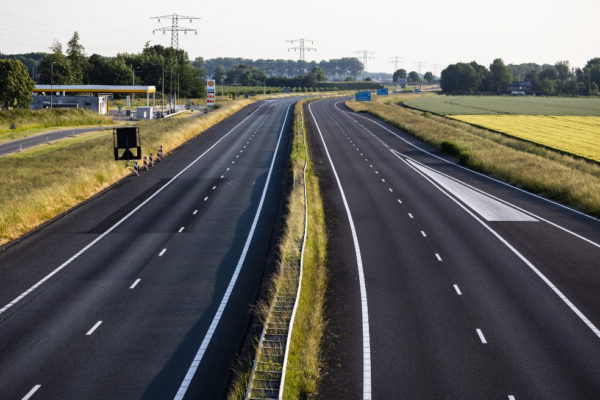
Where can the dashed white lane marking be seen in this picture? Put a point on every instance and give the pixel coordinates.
(438, 257)
(162, 252)
(371, 165)
(135, 283)
(214, 187)
(391, 190)
(227, 169)
(225, 299)
(424, 234)
(233, 162)
(481, 337)
(399, 201)
(222, 176)
(96, 325)
(458, 292)
(195, 212)
(31, 392)
(181, 229)
(511, 397)
(237, 156)
(377, 172)
(206, 198)
(125, 218)
(382, 180)
(410, 215)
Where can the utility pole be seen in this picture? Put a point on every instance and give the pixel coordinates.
(419, 64)
(51, 82)
(175, 28)
(301, 47)
(396, 61)
(365, 58)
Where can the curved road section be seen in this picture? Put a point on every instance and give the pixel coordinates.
(446, 283)
(145, 291)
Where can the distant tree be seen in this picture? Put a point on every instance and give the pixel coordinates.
(548, 72)
(463, 78)
(548, 86)
(399, 74)
(428, 76)
(220, 73)
(16, 86)
(368, 79)
(413, 76)
(316, 75)
(63, 73)
(78, 60)
(533, 77)
(563, 70)
(348, 79)
(498, 77)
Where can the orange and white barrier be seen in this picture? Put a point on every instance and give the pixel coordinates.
(145, 164)
(159, 154)
(136, 170)
(151, 160)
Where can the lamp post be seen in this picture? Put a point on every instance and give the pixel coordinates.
(51, 82)
(162, 107)
(133, 69)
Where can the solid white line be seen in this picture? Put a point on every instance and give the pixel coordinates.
(215, 321)
(481, 337)
(206, 198)
(135, 283)
(195, 212)
(410, 215)
(109, 230)
(424, 234)
(93, 328)
(515, 251)
(181, 229)
(438, 257)
(162, 252)
(361, 276)
(458, 292)
(31, 392)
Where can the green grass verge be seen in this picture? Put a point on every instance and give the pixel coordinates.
(530, 105)
(556, 176)
(43, 182)
(29, 122)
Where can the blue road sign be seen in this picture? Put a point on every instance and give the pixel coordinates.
(382, 92)
(363, 96)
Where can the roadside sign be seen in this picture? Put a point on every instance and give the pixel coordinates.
(363, 96)
(382, 92)
(210, 92)
(12, 126)
(230, 96)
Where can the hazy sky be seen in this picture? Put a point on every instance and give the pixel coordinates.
(435, 32)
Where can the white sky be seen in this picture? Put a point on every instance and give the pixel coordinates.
(435, 32)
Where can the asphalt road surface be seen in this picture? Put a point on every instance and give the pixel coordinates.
(446, 284)
(145, 291)
(16, 145)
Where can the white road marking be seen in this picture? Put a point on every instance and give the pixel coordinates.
(438, 257)
(377, 172)
(237, 156)
(135, 283)
(206, 198)
(181, 229)
(458, 292)
(399, 201)
(214, 187)
(424, 234)
(410, 215)
(195, 212)
(391, 190)
(227, 169)
(361, 277)
(233, 162)
(511, 397)
(222, 176)
(109, 230)
(31, 392)
(162, 252)
(96, 325)
(382, 180)
(215, 321)
(481, 337)
(371, 165)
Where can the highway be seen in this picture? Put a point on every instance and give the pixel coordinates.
(145, 290)
(444, 283)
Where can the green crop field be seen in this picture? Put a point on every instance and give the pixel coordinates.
(530, 105)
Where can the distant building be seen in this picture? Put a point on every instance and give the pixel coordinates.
(519, 88)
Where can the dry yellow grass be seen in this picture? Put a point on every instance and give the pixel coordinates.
(44, 182)
(574, 182)
(578, 135)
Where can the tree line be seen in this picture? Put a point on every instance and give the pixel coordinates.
(413, 76)
(546, 80)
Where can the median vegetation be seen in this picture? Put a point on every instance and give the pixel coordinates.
(561, 177)
(41, 183)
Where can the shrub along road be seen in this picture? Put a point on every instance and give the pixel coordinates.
(144, 291)
(446, 283)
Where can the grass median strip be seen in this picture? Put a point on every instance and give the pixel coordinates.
(41, 183)
(560, 177)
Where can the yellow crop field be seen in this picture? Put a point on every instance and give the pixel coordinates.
(579, 135)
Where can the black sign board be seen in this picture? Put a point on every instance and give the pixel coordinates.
(127, 138)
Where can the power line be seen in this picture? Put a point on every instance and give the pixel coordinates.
(365, 58)
(175, 28)
(419, 65)
(396, 61)
(301, 46)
